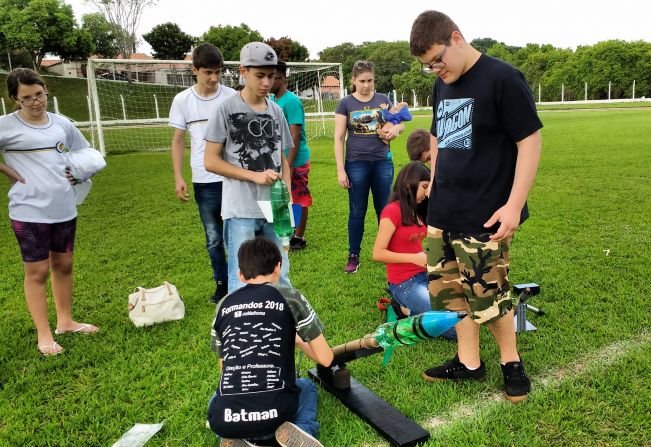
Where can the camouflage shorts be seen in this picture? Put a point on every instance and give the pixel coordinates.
(468, 272)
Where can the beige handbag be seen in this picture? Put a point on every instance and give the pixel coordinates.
(157, 305)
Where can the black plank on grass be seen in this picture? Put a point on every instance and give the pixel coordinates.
(394, 426)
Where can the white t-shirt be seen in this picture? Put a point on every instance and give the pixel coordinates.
(190, 112)
(36, 153)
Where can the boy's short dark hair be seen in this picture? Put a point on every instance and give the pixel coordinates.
(418, 142)
(430, 28)
(23, 76)
(258, 257)
(281, 68)
(207, 55)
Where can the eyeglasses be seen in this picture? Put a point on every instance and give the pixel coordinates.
(364, 65)
(41, 97)
(436, 64)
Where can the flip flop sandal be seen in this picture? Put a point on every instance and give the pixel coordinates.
(42, 349)
(383, 303)
(83, 329)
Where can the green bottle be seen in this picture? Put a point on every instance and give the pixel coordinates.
(279, 197)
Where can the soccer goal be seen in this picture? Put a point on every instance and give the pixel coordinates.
(130, 100)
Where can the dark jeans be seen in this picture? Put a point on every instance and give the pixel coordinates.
(209, 200)
(365, 176)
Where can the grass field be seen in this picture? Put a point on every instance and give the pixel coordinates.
(587, 244)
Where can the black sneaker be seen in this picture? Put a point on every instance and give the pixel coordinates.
(454, 370)
(516, 383)
(297, 243)
(220, 292)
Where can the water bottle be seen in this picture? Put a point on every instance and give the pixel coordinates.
(279, 197)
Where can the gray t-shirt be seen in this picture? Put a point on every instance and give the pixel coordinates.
(362, 142)
(253, 141)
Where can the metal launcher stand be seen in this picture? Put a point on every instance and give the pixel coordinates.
(524, 292)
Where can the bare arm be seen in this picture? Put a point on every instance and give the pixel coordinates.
(391, 132)
(214, 162)
(434, 152)
(525, 172)
(295, 130)
(317, 350)
(178, 152)
(11, 174)
(340, 137)
(381, 252)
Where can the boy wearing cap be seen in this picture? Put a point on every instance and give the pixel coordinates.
(189, 113)
(245, 139)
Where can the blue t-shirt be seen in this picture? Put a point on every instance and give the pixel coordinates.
(293, 110)
(363, 143)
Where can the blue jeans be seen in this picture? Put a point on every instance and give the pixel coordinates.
(413, 294)
(239, 229)
(209, 200)
(305, 417)
(365, 176)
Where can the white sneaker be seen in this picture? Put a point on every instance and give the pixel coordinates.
(289, 435)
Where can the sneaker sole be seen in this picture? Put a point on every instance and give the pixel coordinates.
(516, 399)
(352, 271)
(289, 435)
(439, 379)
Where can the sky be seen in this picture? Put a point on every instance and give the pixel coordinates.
(326, 23)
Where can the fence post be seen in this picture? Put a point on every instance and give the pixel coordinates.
(633, 88)
(539, 93)
(427, 101)
(395, 100)
(4, 109)
(156, 105)
(124, 108)
(413, 92)
(562, 92)
(609, 87)
(55, 102)
(586, 91)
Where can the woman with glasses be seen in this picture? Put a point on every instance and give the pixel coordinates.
(367, 164)
(42, 205)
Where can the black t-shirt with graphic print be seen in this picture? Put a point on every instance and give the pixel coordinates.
(477, 120)
(254, 332)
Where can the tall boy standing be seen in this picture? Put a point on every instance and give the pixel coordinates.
(485, 148)
(298, 157)
(189, 113)
(245, 139)
(254, 332)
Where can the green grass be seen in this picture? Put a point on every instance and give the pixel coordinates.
(592, 194)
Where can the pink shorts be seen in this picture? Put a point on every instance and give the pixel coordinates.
(300, 192)
(37, 240)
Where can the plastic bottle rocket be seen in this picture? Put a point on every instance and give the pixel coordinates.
(279, 197)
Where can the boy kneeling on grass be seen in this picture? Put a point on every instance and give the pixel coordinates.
(255, 329)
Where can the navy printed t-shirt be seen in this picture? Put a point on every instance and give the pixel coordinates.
(254, 332)
(477, 120)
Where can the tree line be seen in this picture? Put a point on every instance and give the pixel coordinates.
(31, 29)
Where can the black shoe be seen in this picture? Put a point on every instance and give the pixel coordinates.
(297, 243)
(516, 383)
(454, 370)
(220, 292)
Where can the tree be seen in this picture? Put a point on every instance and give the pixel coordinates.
(414, 80)
(41, 27)
(125, 16)
(288, 50)
(389, 58)
(483, 43)
(103, 35)
(77, 45)
(168, 41)
(230, 39)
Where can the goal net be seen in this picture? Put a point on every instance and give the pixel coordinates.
(130, 100)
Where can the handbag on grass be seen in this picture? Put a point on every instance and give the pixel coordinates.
(157, 305)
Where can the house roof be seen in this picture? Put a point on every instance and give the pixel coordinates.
(47, 63)
(330, 81)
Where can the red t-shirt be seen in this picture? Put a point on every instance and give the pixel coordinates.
(406, 239)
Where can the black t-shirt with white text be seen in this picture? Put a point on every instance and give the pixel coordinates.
(477, 120)
(254, 331)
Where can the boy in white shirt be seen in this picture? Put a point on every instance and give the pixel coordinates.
(189, 113)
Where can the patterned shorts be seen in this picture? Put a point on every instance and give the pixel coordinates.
(300, 192)
(469, 273)
(37, 240)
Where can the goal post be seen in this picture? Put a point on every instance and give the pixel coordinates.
(130, 99)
